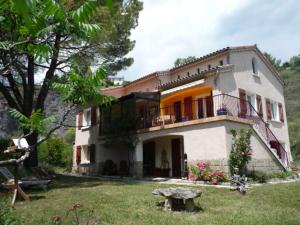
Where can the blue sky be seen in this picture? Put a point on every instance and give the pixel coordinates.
(169, 29)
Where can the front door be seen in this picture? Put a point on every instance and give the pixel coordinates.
(177, 111)
(176, 158)
(148, 158)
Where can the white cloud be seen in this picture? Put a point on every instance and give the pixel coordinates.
(176, 28)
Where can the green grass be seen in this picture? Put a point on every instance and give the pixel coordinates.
(132, 203)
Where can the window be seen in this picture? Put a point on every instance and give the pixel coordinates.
(198, 70)
(209, 66)
(188, 74)
(85, 154)
(251, 98)
(221, 62)
(254, 66)
(274, 111)
(86, 117)
(178, 77)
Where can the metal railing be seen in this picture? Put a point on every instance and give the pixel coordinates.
(211, 106)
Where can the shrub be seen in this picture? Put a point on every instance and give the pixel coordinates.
(262, 177)
(259, 176)
(202, 171)
(55, 152)
(241, 151)
(70, 136)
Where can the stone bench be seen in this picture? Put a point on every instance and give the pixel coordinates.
(179, 198)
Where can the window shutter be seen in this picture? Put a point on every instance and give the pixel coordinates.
(80, 116)
(92, 153)
(78, 154)
(281, 116)
(268, 108)
(259, 105)
(243, 102)
(93, 115)
(209, 106)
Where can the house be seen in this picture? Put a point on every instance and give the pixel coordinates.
(185, 114)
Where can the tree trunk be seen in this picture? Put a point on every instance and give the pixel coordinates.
(32, 160)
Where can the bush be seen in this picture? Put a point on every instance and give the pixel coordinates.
(262, 177)
(55, 152)
(70, 136)
(259, 176)
(202, 171)
(241, 151)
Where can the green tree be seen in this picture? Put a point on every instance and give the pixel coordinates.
(113, 43)
(45, 37)
(295, 63)
(183, 61)
(275, 62)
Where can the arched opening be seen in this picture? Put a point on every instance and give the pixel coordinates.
(163, 156)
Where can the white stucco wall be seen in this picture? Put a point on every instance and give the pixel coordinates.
(266, 84)
(201, 142)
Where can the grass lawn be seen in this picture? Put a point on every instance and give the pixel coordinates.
(132, 203)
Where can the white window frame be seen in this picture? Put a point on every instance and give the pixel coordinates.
(274, 117)
(86, 118)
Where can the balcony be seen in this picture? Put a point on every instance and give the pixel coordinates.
(212, 108)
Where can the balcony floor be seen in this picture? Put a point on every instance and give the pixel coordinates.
(195, 122)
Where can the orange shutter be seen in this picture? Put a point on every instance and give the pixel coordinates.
(268, 109)
(78, 154)
(243, 102)
(93, 115)
(80, 116)
(280, 112)
(259, 105)
(92, 153)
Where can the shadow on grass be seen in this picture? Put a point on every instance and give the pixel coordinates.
(62, 181)
(36, 197)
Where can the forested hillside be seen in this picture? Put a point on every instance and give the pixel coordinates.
(290, 72)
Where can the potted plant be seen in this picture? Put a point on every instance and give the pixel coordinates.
(222, 111)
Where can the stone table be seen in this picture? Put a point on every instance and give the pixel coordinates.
(179, 198)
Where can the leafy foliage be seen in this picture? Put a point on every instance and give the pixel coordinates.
(6, 213)
(83, 90)
(275, 62)
(55, 152)
(241, 150)
(202, 171)
(35, 122)
(183, 61)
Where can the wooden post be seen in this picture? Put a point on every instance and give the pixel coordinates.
(16, 188)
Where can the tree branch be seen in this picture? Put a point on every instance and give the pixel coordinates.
(49, 75)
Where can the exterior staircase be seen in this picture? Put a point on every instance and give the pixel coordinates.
(237, 107)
